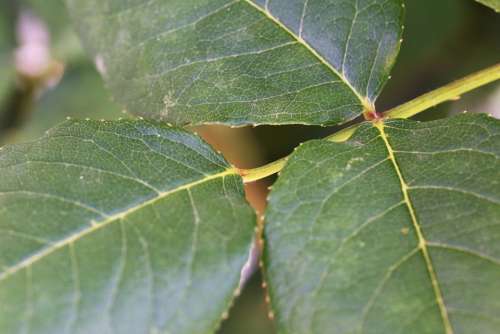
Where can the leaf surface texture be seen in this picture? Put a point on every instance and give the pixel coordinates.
(394, 231)
(119, 227)
(241, 61)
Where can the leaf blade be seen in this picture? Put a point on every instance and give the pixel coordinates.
(235, 62)
(342, 252)
(422, 242)
(299, 39)
(131, 263)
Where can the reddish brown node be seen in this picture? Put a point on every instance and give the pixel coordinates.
(373, 115)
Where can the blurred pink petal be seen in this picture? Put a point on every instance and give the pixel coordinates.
(32, 57)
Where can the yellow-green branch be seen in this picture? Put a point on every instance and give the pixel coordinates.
(251, 175)
(445, 93)
(406, 110)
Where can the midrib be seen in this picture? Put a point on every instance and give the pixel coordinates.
(422, 242)
(364, 102)
(109, 220)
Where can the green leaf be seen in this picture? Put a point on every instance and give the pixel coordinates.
(396, 230)
(125, 227)
(7, 72)
(495, 4)
(242, 61)
(66, 100)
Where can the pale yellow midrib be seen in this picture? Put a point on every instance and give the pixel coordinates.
(364, 101)
(109, 220)
(422, 243)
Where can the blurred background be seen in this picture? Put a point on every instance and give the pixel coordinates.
(45, 77)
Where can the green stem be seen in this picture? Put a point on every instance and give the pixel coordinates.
(255, 174)
(445, 93)
(406, 110)
(343, 134)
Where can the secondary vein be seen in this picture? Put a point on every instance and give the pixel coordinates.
(422, 242)
(109, 220)
(364, 101)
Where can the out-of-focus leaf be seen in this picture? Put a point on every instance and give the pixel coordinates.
(243, 61)
(119, 227)
(80, 94)
(394, 231)
(7, 73)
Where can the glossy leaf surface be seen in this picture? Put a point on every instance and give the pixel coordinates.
(396, 230)
(243, 61)
(119, 227)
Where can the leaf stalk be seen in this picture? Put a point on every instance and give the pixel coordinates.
(445, 93)
(405, 110)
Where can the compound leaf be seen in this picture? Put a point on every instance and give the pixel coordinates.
(396, 230)
(119, 227)
(242, 61)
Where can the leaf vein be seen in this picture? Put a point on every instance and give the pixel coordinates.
(265, 11)
(9, 271)
(380, 286)
(215, 59)
(418, 230)
(56, 197)
(453, 189)
(465, 250)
